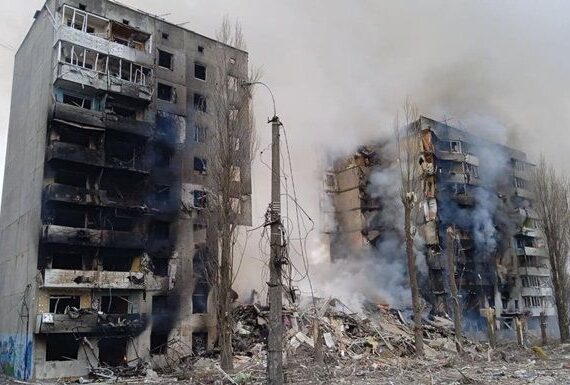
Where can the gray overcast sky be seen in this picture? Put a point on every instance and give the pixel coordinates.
(341, 69)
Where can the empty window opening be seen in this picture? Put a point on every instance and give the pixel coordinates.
(159, 304)
(200, 165)
(59, 304)
(199, 71)
(162, 157)
(200, 297)
(165, 36)
(161, 229)
(123, 112)
(61, 347)
(77, 101)
(199, 342)
(166, 92)
(66, 261)
(199, 198)
(113, 351)
(158, 341)
(200, 103)
(200, 133)
(116, 262)
(160, 267)
(114, 304)
(70, 178)
(455, 146)
(74, 136)
(200, 49)
(80, 20)
(69, 217)
(165, 59)
(162, 193)
(125, 22)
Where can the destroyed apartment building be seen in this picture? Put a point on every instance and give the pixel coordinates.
(103, 229)
(479, 189)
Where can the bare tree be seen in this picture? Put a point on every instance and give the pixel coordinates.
(409, 150)
(229, 150)
(552, 194)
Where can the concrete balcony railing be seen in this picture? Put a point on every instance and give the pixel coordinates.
(452, 156)
(129, 126)
(92, 237)
(89, 321)
(82, 196)
(538, 251)
(75, 153)
(71, 75)
(90, 279)
(101, 44)
(538, 271)
(536, 291)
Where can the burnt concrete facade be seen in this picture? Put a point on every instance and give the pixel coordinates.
(481, 190)
(103, 223)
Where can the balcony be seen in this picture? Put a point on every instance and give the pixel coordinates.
(538, 251)
(129, 126)
(104, 35)
(537, 271)
(70, 113)
(536, 291)
(465, 200)
(448, 155)
(92, 237)
(74, 153)
(81, 196)
(524, 193)
(92, 279)
(90, 322)
(75, 76)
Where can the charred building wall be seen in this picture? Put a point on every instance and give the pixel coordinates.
(478, 188)
(103, 231)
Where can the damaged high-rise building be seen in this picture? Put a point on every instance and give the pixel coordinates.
(103, 229)
(479, 189)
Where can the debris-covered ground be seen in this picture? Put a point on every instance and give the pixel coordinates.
(371, 347)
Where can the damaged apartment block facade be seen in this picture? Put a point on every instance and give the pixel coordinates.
(479, 189)
(103, 228)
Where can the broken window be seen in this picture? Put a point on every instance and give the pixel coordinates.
(199, 71)
(199, 198)
(330, 182)
(160, 267)
(165, 92)
(161, 229)
(112, 351)
(69, 217)
(200, 103)
(115, 304)
(70, 177)
(200, 165)
(455, 146)
(116, 261)
(158, 335)
(83, 21)
(200, 49)
(62, 347)
(199, 133)
(200, 297)
(59, 304)
(165, 36)
(165, 59)
(521, 183)
(66, 261)
(162, 157)
(77, 101)
(158, 341)
(473, 170)
(162, 193)
(199, 342)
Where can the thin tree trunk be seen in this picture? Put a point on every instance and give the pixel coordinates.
(224, 311)
(559, 296)
(453, 290)
(411, 259)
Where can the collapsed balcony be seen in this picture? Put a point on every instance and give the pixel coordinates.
(56, 192)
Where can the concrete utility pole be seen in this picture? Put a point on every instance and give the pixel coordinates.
(275, 339)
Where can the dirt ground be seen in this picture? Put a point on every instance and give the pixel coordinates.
(505, 365)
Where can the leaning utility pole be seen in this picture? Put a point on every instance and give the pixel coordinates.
(275, 339)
